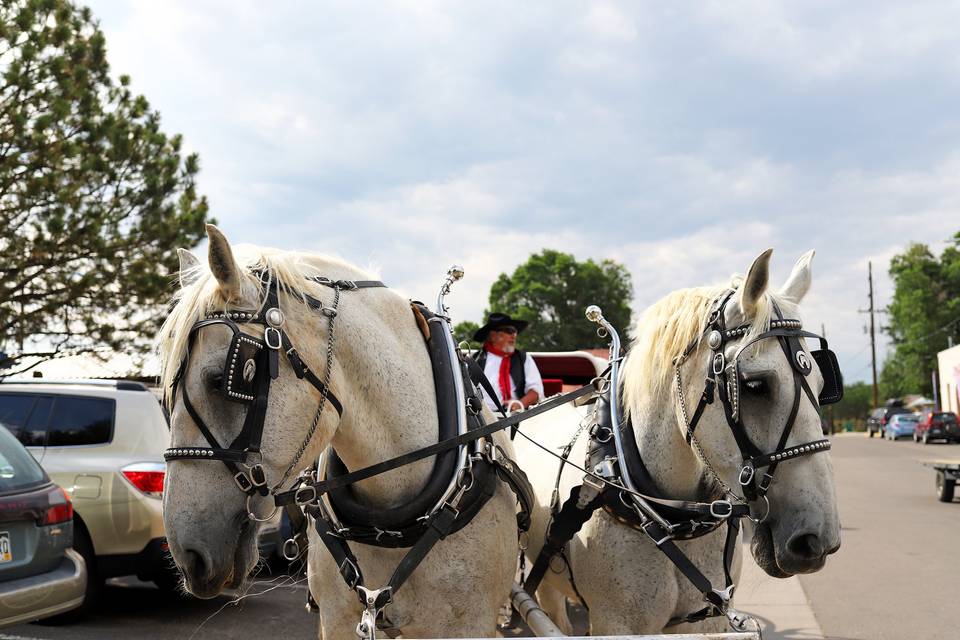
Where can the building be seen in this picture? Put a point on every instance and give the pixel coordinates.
(948, 379)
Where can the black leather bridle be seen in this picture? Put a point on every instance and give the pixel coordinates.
(251, 365)
(723, 377)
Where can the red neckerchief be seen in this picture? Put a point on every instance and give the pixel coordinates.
(506, 386)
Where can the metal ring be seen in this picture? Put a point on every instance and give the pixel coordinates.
(249, 453)
(290, 543)
(253, 516)
(465, 472)
(766, 513)
(601, 384)
(602, 332)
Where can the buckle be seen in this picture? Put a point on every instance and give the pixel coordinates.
(746, 474)
(257, 476)
(305, 495)
(243, 481)
(724, 511)
(277, 343)
(718, 363)
(346, 285)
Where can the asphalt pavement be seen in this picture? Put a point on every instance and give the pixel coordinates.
(895, 576)
(271, 608)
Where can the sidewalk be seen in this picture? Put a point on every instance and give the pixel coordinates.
(781, 606)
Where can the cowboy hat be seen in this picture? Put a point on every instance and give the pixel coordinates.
(495, 321)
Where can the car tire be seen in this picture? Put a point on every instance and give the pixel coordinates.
(945, 487)
(915, 438)
(926, 438)
(869, 433)
(84, 546)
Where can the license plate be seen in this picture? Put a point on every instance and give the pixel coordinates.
(6, 553)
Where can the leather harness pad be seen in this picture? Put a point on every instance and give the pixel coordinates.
(240, 368)
(406, 518)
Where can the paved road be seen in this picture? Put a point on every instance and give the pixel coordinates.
(133, 609)
(896, 575)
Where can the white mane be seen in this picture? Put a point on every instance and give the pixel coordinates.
(202, 296)
(669, 325)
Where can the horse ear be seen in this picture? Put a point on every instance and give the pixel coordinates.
(222, 264)
(755, 284)
(189, 267)
(800, 278)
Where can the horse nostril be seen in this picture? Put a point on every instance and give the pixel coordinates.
(195, 564)
(806, 546)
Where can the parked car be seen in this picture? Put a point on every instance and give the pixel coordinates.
(900, 425)
(879, 417)
(40, 573)
(938, 425)
(103, 441)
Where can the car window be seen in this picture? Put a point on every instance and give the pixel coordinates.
(18, 469)
(80, 421)
(25, 415)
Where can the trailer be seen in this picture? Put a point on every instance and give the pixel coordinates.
(948, 472)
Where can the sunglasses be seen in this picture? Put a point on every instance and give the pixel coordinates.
(508, 330)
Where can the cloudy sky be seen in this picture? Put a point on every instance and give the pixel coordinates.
(681, 139)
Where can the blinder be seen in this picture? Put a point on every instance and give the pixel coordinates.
(243, 363)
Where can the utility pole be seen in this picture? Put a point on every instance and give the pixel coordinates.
(873, 339)
(873, 334)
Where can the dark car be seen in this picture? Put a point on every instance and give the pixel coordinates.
(879, 417)
(40, 574)
(937, 425)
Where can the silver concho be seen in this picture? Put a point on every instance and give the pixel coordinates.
(802, 360)
(714, 339)
(274, 317)
(249, 370)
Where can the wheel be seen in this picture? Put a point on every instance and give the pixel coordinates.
(945, 487)
(915, 437)
(869, 433)
(926, 438)
(84, 546)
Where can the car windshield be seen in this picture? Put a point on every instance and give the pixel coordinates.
(18, 469)
(907, 419)
(945, 417)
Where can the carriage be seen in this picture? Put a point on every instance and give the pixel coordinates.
(440, 515)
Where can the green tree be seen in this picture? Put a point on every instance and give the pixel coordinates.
(463, 332)
(553, 289)
(923, 313)
(855, 405)
(94, 197)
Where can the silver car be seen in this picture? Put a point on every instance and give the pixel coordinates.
(40, 574)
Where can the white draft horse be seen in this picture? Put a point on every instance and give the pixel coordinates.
(381, 373)
(628, 584)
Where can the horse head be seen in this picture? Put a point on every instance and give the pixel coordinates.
(239, 349)
(740, 356)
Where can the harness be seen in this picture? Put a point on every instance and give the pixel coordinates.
(466, 469)
(618, 481)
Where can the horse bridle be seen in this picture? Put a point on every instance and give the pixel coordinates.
(723, 377)
(250, 366)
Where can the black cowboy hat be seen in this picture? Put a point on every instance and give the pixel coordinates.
(495, 321)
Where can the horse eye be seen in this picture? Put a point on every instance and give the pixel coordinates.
(215, 381)
(755, 387)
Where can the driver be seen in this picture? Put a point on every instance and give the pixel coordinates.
(511, 373)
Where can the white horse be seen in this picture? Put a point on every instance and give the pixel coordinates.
(628, 584)
(381, 372)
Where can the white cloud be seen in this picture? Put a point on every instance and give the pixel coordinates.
(680, 140)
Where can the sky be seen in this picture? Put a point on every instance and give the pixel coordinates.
(681, 139)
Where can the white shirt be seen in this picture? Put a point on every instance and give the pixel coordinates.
(531, 374)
